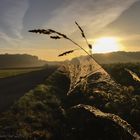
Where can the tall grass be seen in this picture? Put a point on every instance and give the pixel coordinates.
(57, 35)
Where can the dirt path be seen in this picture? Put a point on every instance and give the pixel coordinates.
(13, 88)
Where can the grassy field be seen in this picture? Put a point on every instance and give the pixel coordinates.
(8, 72)
(13, 87)
(46, 112)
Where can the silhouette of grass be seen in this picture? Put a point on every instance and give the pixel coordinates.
(83, 35)
(67, 52)
(57, 35)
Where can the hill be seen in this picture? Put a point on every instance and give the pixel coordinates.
(118, 57)
(20, 60)
(26, 60)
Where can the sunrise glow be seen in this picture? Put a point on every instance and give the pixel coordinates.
(106, 44)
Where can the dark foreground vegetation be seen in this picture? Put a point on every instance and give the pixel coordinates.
(11, 88)
(120, 75)
(45, 112)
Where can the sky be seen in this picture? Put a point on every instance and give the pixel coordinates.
(98, 18)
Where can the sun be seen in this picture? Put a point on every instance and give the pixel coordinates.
(105, 45)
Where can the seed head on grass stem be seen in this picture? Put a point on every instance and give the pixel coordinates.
(57, 35)
(67, 52)
(83, 35)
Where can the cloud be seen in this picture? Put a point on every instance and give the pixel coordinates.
(12, 14)
(92, 14)
(7, 39)
(17, 16)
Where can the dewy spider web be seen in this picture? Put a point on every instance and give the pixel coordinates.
(80, 69)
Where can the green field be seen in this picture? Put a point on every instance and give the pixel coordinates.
(16, 71)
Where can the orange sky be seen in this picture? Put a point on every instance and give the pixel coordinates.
(99, 19)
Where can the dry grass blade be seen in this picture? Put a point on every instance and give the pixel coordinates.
(40, 31)
(58, 33)
(82, 32)
(108, 116)
(63, 35)
(52, 31)
(83, 35)
(134, 75)
(55, 37)
(65, 53)
(90, 46)
(48, 32)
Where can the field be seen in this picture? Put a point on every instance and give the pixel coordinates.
(39, 107)
(8, 72)
(19, 82)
